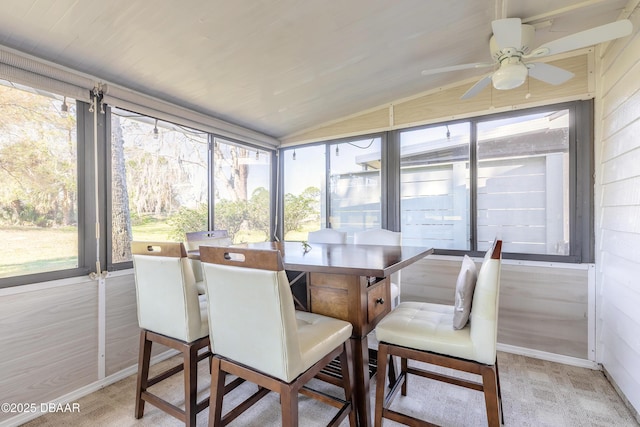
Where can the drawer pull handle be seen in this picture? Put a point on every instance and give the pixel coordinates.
(380, 301)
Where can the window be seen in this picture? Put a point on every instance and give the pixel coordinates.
(39, 198)
(434, 186)
(304, 191)
(517, 176)
(355, 184)
(344, 193)
(523, 183)
(242, 191)
(159, 185)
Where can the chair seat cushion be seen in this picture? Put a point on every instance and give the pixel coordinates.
(318, 335)
(426, 326)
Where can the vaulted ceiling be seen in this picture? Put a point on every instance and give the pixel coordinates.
(279, 66)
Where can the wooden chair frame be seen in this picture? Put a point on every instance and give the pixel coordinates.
(490, 384)
(191, 357)
(288, 391)
(220, 367)
(190, 352)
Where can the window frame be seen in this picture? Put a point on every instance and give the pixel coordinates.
(581, 167)
(211, 137)
(85, 179)
(283, 152)
(581, 180)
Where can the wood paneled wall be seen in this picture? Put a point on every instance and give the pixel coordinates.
(444, 104)
(49, 338)
(618, 212)
(48, 343)
(541, 308)
(122, 334)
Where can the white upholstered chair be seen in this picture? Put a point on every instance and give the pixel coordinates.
(424, 332)
(170, 312)
(381, 236)
(264, 340)
(327, 235)
(196, 239)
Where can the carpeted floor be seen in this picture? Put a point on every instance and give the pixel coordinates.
(534, 392)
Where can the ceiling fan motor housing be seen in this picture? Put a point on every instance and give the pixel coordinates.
(528, 34)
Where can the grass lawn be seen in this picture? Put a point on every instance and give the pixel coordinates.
(29, 250)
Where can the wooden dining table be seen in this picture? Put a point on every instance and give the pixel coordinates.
(348, 282)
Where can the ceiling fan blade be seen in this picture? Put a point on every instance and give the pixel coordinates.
(476, 88)
(585, 38)
(507, 32)
(457, 67)
(549, 73)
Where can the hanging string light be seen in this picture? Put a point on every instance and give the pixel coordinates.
(155, 130)
(64, 107)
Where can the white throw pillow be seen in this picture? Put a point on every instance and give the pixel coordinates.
(465, 286)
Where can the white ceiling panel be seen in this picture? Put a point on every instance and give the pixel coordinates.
(279, 67)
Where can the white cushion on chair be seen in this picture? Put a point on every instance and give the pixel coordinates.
(427, 326)
(318, 335)
(260, 327)
(465, 286)
(167, 298)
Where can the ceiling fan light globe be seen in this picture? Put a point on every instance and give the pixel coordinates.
(509, 76)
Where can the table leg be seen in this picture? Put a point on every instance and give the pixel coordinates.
(361, 379)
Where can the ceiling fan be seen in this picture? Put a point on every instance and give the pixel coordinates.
(510, 47)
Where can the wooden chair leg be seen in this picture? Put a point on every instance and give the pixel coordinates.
(218, 377)
(490, 386)
(380, 384)
(346, 362)
(289, 407)
(404, 365)
(499, 392)
(144, 358)
(190, 356)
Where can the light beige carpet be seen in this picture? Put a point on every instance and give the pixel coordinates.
(534, 392)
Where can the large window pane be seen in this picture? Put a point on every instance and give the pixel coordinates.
(304, 191)
(434, 191)
(242, 191)
(355, 185)
(159, 181)
(523, 183)
(38, 172)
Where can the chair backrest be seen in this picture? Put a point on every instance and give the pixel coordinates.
(249, 294)
(166, 293)
(378, 236)
(484, 307)
(327, 235)
(196, 239)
